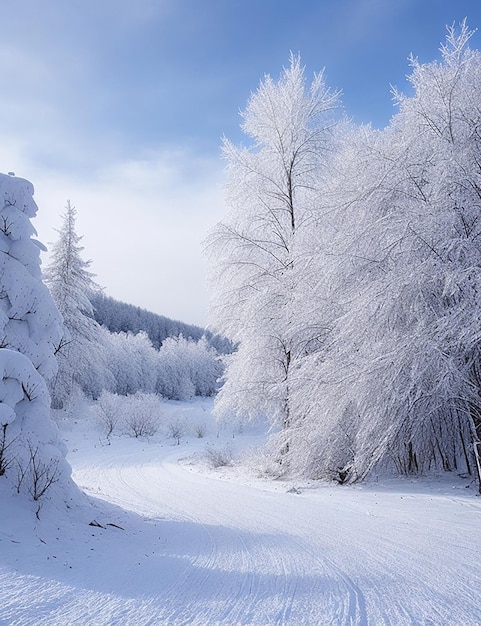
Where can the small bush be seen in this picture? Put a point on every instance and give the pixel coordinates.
(37, 474)
(266, 462)
(6, 459)
(108, 412)
(141, 424)
(219, 457)
(142, 412)
(42, 475)
(176, 429)
(200, 430)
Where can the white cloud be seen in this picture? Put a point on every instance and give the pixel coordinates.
(142, 221)
(143, 214)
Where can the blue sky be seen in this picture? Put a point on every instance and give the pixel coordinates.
(120, 106)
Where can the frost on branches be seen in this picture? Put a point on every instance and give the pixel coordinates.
(389, 268)
(257, 251)
(31, 456)
(398, 389)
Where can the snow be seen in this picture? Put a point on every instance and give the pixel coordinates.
(181, 543)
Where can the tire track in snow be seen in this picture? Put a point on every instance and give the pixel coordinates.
(292, 561)
(322, 567)
(202, 566)
(267, 597)
(138, 493)
(245, 607)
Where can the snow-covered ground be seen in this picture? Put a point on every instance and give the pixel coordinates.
(181, 543)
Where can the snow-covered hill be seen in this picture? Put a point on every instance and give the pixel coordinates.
(174, 541)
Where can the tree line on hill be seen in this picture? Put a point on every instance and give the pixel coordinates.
(107, 345)
(120, 317)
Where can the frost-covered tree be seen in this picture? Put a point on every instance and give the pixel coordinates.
(205, 366)
(180, 370)
(80, 356)
(257, 252)
(187, 368)
(131, 360)
(436, 405)
(398, 385)
(30, 331)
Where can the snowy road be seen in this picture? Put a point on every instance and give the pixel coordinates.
(247, 555)
(197, 549)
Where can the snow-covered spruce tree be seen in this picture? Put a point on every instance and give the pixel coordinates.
(81, 363)
(30, 331)
(399, 386)
(256, 253)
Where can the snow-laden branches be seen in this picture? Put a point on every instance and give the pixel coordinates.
(363, 324)
(257, 252)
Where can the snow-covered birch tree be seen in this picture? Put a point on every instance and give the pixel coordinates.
(439, 424)
(399, 386)
(256, 253)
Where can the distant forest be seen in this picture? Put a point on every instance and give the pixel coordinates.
(119, 317)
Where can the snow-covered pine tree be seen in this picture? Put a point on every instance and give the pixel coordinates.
(80, 356)
(29, 319)
(31, 452)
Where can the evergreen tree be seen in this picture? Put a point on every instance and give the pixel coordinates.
(71, 284)
(29, 320)
(30, 331)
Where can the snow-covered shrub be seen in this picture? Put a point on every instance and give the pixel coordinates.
(137, 415)
(176, 428)
(219, 457)
(109, 412)
(266, 461)
(200, 430)
(142, 414)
